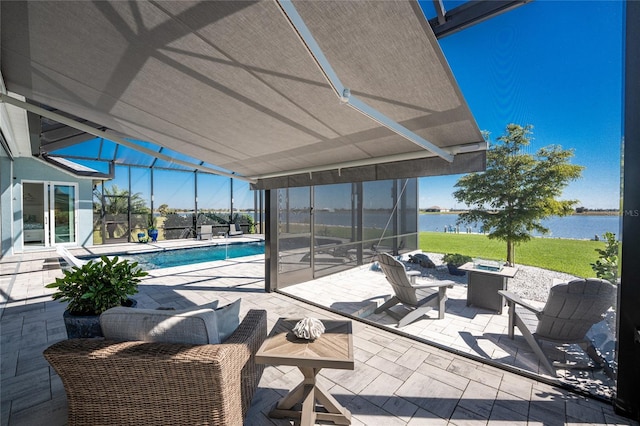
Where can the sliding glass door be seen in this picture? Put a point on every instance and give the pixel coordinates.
(63, 213)
(49, 213)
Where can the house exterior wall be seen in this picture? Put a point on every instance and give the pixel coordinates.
(33, 169)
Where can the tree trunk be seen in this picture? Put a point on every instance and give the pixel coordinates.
(511, 253)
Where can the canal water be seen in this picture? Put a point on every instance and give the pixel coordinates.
(575, 226)
(583, 227)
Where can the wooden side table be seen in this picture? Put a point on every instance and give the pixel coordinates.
(483, 286)
(333, 349)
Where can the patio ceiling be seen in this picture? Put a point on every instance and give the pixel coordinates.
(236, 85)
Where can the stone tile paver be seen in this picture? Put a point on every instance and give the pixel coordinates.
(397, 380)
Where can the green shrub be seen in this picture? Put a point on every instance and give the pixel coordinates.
(606, 267)
(456, 259)
(97, 286)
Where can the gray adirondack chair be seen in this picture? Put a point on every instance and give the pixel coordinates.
(570, 311)
(418, 299)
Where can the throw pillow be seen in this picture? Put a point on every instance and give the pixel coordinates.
(228, 319)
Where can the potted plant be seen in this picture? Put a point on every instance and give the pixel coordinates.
(454, 260)
(92, 289)
(152, 230)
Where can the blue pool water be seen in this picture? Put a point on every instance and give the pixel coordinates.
(188, 256)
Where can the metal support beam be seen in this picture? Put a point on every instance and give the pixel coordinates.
(346, 164)
(457, 149)
(110, 136)
(65, 143)
(626, 400)
(469, 13)
(343, 93)
(440, 11)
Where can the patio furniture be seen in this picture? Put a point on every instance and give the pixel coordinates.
(570, 311)
(418, 299)
(234, 229)
(152, 383)
(333, 349)
(484, 286)
(206, 232)
(188, 232)
(69, 258)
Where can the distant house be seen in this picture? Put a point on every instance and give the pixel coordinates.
(436, 209)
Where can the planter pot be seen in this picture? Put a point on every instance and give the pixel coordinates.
(142, 237)
(86, 326)
(82, 326)
(454, 270)
(153, 233)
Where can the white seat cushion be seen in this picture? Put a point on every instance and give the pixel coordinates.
(198, 325)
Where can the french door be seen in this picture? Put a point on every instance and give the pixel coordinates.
(49, 213)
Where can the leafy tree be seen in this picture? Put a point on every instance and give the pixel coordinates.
(517, 189)
(116, 201)
(606, 267)
(116, 204)
(163, 209)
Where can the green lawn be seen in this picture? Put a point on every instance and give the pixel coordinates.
(570, 256)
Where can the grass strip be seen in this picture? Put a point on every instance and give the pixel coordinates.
(556, 254)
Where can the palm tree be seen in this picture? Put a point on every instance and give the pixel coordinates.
(115, 201)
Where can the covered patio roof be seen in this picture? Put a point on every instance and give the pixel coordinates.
(247, 87)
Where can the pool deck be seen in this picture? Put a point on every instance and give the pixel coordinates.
(398, 378)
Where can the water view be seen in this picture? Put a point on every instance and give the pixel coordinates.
(582, 227)
(575, 227)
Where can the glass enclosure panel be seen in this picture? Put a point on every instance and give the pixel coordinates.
(214, 202)
(377, 214)
(294, 229)
(127, 155)
(140, 202)
(116, 217)
(334, 216)
(97, 214)
(258, 213)
(350, 224)
(408, 215)
(87, 149)
(243, 205)
(112, 204)
(174, 198)
(64, 214)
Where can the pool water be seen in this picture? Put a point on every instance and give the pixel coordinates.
(188, 256)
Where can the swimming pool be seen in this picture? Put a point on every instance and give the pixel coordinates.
(188, 256)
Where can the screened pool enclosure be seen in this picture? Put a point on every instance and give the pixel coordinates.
(320, 230)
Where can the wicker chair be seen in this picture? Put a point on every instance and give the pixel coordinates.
(134, 383)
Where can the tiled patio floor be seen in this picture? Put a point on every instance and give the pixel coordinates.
(396, 381)
(476, 332)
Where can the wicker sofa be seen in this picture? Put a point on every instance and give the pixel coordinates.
(150, 383)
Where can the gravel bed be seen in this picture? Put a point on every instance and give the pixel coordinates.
(529, 283)
(533, 284)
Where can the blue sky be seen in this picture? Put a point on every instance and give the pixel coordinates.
(556, 65)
